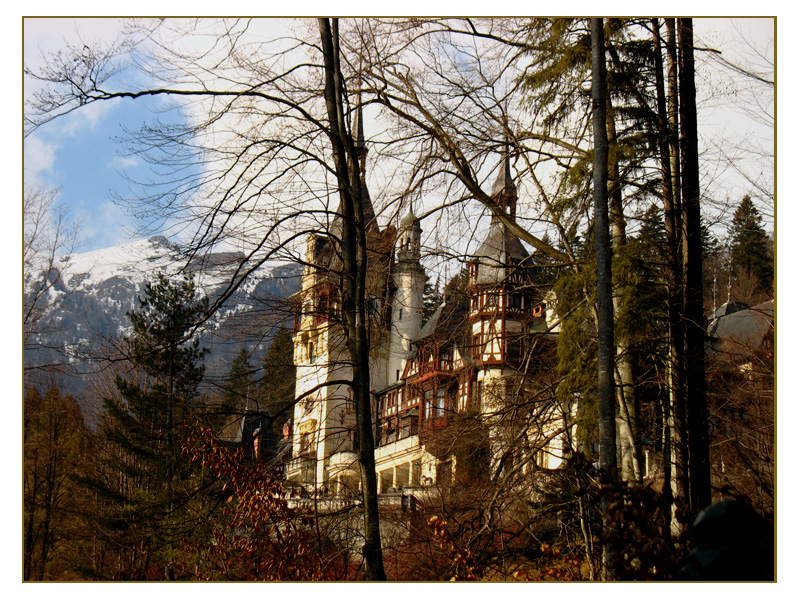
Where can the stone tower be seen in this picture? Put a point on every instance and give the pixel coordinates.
(409, 279)
(323, 417)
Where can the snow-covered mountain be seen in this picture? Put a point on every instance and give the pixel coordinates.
(93, 292)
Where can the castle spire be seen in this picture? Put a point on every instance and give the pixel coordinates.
(360, 144)
(358, 130)
(504, 192)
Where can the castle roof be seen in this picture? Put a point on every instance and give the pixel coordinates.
(408, 221)
(500, 252)
(744, 331)
(366, 202)
(449, 323)
(504, 181)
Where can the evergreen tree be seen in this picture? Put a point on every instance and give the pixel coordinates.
(455, 291)
(239, 389)
(154, 504)
(749, 246)
(543, 274)
(432, 299)
(277, 389)
(652, 233)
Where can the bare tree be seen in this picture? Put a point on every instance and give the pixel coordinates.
(269, 123)
(49, 235)
(743, 81)
(262, 126)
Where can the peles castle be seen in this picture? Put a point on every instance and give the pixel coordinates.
(456, 396)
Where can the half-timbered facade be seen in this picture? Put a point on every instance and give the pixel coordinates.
(474, 357)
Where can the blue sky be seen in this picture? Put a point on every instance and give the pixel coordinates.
(83, 158)
(80, 157)
(79, 154)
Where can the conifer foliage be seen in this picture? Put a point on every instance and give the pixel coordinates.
(277, 389)
(154, 504)
(750, 254)
(239, 388)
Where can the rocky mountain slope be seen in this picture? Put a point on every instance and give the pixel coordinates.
(88, 301)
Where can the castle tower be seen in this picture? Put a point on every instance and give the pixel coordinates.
(323, 417)
(409, 278)
(501, 297)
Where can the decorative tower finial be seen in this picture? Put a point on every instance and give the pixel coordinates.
(504, 192)
(358, 129)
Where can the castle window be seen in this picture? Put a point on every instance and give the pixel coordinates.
(400, 315)
(440, 402)
(311, 355)
(306, 443)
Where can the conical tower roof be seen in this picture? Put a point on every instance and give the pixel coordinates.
(504, 181)
(357, 131)
(502, 250)
(504, 191)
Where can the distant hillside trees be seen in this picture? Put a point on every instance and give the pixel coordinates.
(54, 446)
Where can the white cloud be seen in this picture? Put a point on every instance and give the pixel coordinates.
(124, 162)
(39, 158)
(50, 34)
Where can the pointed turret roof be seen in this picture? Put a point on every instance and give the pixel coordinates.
(357, 131)
(501, 249)
(504, 181)
(408, 221)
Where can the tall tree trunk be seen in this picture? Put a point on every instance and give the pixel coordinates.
(31, 502)
(623, 371)
(605, 307)
(354, 271)
(673, 264)
(696, 408)
(673, 221)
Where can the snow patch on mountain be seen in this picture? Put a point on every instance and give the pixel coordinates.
(95, 290)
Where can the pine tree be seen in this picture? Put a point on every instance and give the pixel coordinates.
(153, 504)
(455, 291)
(239, 388)
(749, 246)
(432, 299)
(277, 389)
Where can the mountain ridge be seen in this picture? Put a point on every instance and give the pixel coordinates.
(92, 292)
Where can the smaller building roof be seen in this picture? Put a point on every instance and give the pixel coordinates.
(743, 331)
